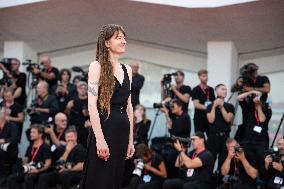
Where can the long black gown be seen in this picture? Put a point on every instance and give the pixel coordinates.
(100, 174)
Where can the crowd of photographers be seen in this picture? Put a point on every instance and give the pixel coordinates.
(60, 125)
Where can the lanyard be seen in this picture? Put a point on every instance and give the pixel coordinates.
(236, 168)
(256, 117)
(196, 154)
(34, 152)
(60, 134)
(204, 91)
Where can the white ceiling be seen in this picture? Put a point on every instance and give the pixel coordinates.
(59, 24)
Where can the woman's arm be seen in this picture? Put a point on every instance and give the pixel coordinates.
(129, 110)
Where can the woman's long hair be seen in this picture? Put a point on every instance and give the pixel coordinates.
(107, 80)
(144, 117)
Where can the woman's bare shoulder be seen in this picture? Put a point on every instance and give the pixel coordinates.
(95, 65)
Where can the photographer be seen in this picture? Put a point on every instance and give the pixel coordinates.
(77, 111)
(17, 79)
(14, 111)
(202, 96)
(251, 81)
(69, 167)
(274, 166)
(150, 170)
(239, 167)
(48, 73)
(37, 160)
(44, 106)
(256, 116)
(56, 134)
(64, 81)
(8, 146)
(195, 168)
(137, 84)
(62, 97)
(179, 91)
(180, 124)
(219, 115)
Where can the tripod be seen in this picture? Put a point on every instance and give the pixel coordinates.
(279, 126)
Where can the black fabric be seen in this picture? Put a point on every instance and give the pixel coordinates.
(137, 183)
(108, 174)
(198, 94)
(77, 154)
(242, 174)
(220, 125)
(43, 153)
(201, 174)
(70, 87)
(184, 89)
(51, 82)
(259, 83)
(21, 82)
(271, 174)
(76, 116)
(15, 110)
(181, 126)
(10, 133)
(62, 102)
(136, 85)
(156, 160)
(141, 132)
(249, 121)
(50, 103)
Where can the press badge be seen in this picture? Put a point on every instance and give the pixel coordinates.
(53, 148)
(278, 180)
(257, 129)
(147, 178)
(189, 172)
(207, 103)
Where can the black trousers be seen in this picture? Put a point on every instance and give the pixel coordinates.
(16, 181)
(137, 183)
(178, 183)
(217, 146)
(65, 179)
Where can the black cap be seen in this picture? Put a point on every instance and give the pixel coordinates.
(200, 135)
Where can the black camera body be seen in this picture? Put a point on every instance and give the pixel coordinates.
(32, 165)
(275, 154)
(239, 149)
(31, 110)
(30, 65)
(186, 142)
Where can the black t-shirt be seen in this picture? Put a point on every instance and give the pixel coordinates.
(181, 126)
(250, 121)
(237, 169)
(202, 96)
(220, 125)
(141, 131)
(184, 89)
(21, 82)
(51, 82)
(9, 133)
(49, 102)
(136, 85)
(77, 154)
(15, 110)
(272, 175)
(201, 174)
(62, 102)
(76, 115)
(155, 162)
(40, 155)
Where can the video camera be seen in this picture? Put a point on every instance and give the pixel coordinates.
(83, 76)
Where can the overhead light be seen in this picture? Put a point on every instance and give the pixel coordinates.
(196, 3)
(11, 3)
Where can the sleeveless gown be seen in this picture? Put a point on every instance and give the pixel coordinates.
(100, 174)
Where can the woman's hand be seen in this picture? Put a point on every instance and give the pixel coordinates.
(130, 150)
(102, 149)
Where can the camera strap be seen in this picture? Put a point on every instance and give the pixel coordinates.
(206, 92)
(34, 152)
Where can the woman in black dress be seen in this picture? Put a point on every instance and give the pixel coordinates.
(110, 140)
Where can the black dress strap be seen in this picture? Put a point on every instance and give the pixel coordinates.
(125, 71)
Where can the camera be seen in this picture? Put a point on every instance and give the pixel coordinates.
(32, 165)
(5, 147)
(139, 167)
(239, 149)
(32, 109)
(30, 65)
(6, 62)
(246, 72)
(186, 142)
(59, 164)
(83, 76)
(230, 179)
(275, 154)
(167, 79)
